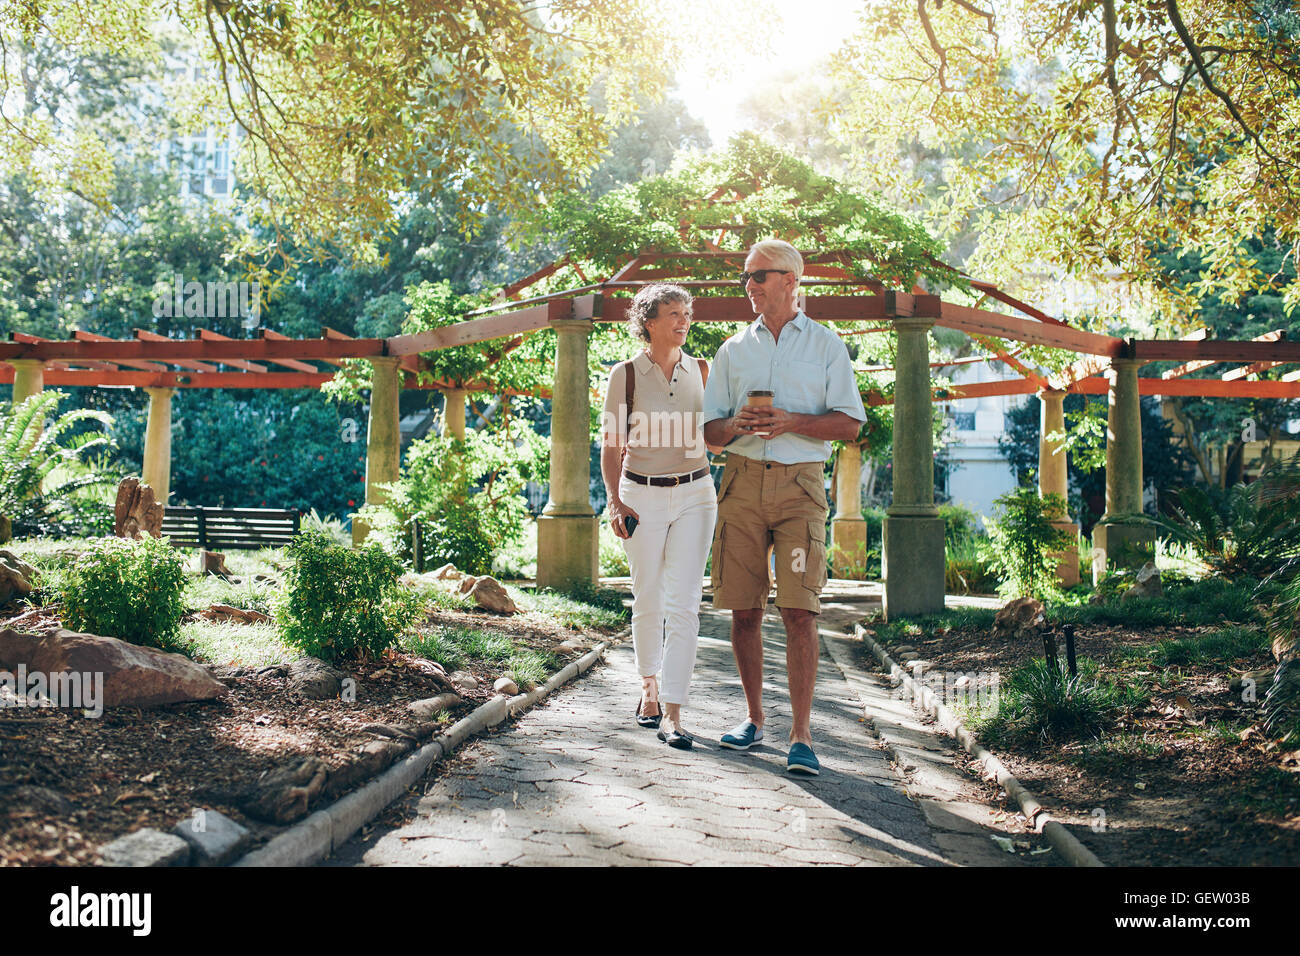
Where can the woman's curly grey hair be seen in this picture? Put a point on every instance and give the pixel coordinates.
(646, 306)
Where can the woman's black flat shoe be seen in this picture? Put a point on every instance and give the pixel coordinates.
(679, 739)
(648, 721)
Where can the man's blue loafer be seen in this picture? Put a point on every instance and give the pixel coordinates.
(802, 760)
(742, 737)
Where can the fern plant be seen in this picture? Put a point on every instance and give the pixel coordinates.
(43, 464)
(1254, 530)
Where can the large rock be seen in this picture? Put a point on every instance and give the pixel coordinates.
(133, 676)
(15, 577)
(488, 594)
(448, 572)
(1021, 618)
(1146, 584)
(504, 685)
(314, 679)
(6, 529)
(137, 512)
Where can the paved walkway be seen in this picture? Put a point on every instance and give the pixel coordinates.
(576, 782)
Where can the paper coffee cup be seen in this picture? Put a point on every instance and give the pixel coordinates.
(761, 397)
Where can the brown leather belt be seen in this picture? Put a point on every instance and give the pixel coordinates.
(666, 481)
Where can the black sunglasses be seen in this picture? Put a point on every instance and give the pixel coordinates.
(759, 275)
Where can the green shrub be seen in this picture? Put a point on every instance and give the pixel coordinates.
(1040, 699)
(964, 571)
(959, 523)
(467, 496)
(133, 590)
(338, 602)
(607, 599)
(1023, 543)
(329, 525)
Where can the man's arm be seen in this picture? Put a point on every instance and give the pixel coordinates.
(830, 426)
(719, 427)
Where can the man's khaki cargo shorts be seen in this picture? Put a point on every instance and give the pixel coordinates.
(764, 505)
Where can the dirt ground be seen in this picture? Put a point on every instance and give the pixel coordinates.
(69, 784)
(1185, 779)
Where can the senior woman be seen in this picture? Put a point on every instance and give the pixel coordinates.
(661, 499)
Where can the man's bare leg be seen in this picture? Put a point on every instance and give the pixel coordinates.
(747, 645)
(802, 650)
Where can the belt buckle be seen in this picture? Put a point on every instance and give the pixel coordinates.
(677, 480)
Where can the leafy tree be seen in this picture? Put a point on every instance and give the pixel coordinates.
(347, 108)
(1120, 127)
(1023, 543)
(465, 494)
(1221, 423)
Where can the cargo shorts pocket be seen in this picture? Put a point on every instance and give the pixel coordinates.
(814, 573)
(719, 548)
(813, 486)
(728, 478)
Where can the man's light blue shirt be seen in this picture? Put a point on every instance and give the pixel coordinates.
(809, 371)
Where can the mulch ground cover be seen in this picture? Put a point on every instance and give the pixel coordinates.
(1183, 779)
(69, 784)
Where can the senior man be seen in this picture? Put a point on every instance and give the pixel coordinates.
(772, 493)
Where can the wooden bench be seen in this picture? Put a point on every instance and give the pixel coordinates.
(225, 529)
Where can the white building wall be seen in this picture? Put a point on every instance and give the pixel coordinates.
(978, 473)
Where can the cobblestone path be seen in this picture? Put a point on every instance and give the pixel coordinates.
(576, 782)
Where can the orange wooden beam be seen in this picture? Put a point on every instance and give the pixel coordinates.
(287, 363)
(146, 336)
(208, 335)
(979, 322)
(87, 346)
(79, 336)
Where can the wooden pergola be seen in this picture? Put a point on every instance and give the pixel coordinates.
(913, 545)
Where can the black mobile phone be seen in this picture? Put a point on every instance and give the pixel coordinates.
(630, 524)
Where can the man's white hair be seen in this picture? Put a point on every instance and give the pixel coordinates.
(781, 254)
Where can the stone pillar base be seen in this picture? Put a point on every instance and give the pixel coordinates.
(568, 551)
(1067, 561)
(849, 548)
(913, 565)
(1120, 545)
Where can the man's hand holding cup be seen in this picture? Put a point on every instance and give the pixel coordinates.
(758, 417)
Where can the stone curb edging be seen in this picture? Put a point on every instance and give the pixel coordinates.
(324, 831)
(1061, 839)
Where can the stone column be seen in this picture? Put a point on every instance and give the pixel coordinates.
(913, 561)
(567, 527)
(157, 470)
(1117, 540)
(1053, 478)
(453, 411)
(383, 436)
(848, 527)
(29, 379)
